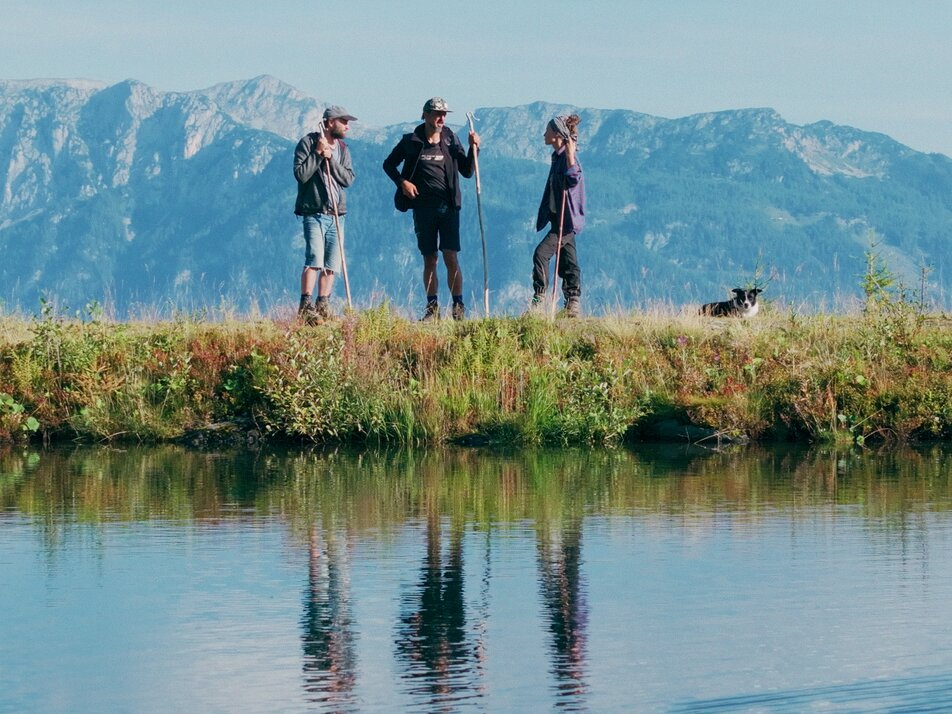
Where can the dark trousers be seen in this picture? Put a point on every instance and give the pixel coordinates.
(436, 225)
(569, 271)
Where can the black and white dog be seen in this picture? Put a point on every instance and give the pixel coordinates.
(744, 304)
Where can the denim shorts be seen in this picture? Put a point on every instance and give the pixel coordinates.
(321, 247)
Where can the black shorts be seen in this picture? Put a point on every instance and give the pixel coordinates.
(436, 226)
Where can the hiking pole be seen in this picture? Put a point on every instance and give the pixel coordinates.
(558, 251)
(479, 210)
(340, 233)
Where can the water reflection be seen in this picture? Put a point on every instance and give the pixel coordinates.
(432, 643)
(929, 693)
(328, 633)
(466, 530)
(383, 491)
(563, 599)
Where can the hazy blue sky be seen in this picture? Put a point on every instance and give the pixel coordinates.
(879, 65)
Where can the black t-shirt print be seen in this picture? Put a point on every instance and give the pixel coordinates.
(431, 173)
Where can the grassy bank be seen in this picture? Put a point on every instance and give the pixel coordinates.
(374, 376)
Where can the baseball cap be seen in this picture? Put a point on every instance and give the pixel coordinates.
(337, 112)
(436, 104)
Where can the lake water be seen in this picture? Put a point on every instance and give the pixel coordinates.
(654, 579)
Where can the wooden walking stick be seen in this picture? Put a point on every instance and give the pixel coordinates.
(558, 251)
(479, 210)
(340, 233)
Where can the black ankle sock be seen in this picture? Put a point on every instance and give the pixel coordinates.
(457, 299)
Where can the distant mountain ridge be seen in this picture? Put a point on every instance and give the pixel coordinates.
(147, 200)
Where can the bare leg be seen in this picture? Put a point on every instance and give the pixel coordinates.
(454, 276)
(431, 283)
(308, 277)
(325, 283)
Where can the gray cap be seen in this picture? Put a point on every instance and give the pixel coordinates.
(337, 112)
(436, 104)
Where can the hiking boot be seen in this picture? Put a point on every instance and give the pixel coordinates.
(537, 306)
(431, 312)
(573, 306)
(307, 313)
(322, 309)
(459, 311)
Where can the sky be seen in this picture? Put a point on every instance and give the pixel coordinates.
(876, 65)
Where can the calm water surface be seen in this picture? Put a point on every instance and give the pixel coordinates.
(657, 579)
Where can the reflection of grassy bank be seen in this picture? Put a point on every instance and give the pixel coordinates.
(376, 377)
(381, 492)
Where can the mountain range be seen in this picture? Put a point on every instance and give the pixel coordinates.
(150, 202)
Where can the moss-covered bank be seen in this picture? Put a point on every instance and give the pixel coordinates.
(374, 376)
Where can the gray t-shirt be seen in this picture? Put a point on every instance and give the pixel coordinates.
(334, 188)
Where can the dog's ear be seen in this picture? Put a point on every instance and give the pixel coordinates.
(738, 291)
(756, 291)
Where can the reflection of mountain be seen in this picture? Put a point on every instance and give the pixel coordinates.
(330, 660)
(432, 643)
(564, 607)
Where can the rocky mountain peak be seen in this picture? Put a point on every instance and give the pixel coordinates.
(152, 196)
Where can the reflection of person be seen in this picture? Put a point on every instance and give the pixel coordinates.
(432, 156)
(432, 637)
(330, 661)
(560, 559)
(317, 154)
(563, 210)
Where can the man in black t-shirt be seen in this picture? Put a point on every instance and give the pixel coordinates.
(432, 156)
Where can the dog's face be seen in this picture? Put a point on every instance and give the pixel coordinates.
(745, 299)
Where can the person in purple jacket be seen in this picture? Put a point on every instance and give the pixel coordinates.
(564, 197)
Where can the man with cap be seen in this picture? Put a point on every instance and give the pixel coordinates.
(432, 158)
(323, 169)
